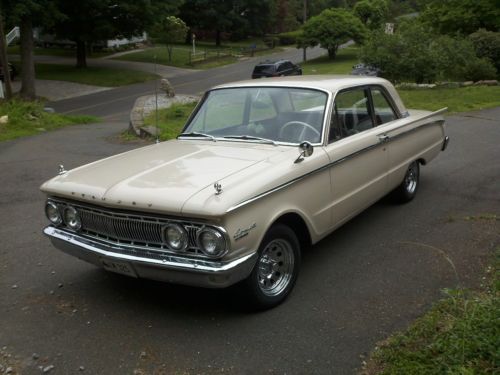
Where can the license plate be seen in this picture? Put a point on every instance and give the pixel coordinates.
(118, 267)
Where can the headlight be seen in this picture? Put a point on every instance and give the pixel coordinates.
(176, 237)
(211, 242)
(52, 212)
(72, 218)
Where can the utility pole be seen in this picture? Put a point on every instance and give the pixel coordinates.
(4, 62)
(304, 54)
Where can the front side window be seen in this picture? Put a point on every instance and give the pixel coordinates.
(278, 114)
(383, 110)
(351, 114)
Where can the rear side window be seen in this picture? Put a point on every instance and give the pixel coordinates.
(264, 69)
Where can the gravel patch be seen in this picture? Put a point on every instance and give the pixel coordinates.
(58, 90)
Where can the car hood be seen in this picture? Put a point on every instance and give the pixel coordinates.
(160, 177)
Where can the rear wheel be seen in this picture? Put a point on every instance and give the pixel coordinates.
(276, 270)
(407, 190)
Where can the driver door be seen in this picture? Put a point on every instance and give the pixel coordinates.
(358, 157)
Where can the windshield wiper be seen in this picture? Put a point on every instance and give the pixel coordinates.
(196, 134)
(251, 138)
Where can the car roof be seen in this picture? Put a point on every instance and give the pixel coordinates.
(330, 83)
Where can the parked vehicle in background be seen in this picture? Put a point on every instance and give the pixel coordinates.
(276, 69)
(262, 170)
(365, 70)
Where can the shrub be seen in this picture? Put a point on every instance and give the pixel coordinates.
(487, 44)
(289, 38)
(415, 54)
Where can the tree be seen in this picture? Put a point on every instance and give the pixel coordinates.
(171, 30)
(26, 14)
(463, 16)
(330, 29)
(90, 21)
(239, 17)
(373, 13)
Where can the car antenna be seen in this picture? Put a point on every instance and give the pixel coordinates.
(156, 105)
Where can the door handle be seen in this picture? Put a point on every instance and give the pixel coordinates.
(383, 138)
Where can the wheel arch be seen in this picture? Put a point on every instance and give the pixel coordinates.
(295, 222)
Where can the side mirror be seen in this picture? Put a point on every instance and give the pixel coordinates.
(306, 150)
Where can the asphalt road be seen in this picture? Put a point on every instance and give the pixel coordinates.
(370, 278)
(115, 105)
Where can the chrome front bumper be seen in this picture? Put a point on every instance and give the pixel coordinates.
(173, 269)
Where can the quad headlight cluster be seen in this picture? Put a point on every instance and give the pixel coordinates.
(209, 240)
(179, 237)
(62, 214)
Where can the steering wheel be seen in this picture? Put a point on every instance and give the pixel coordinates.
(305, 128)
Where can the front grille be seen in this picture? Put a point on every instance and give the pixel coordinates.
(135, 234)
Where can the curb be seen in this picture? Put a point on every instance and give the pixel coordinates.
(142, 110)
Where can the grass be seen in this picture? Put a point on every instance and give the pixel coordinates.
(170, 120)
(97, 76)
(29, 118)
(342, 64)
(216, 56)
(460, 335)
(462, 99)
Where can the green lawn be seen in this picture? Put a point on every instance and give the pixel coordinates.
(29, 118)
(459, 335)
(97, 76)
(342, 64)
(170, 120)
(216, 56)
(461, 99)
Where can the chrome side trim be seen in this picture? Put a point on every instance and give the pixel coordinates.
(338, 161)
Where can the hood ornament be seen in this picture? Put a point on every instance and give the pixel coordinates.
(218, 188)
(61, 170)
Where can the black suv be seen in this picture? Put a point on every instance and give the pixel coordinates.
(276, 69)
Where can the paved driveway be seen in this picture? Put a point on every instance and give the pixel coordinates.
(370, 278)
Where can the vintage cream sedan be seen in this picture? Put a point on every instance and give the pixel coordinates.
(262, 170)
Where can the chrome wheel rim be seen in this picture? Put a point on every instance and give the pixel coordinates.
(411, 178)
(275, 267)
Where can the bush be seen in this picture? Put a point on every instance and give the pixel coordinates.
(479, 69)
(487, 44)
(289, 38)
(415, 54)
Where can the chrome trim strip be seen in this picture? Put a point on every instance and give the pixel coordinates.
(176, 262)
(338, 161)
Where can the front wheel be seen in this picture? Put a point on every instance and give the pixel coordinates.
(276, 270)
(407, 190)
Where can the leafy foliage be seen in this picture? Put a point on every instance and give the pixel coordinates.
(464, 16)
(416, 54)
(373, 13)
(170, 30)
(487, 44)
(332, 28)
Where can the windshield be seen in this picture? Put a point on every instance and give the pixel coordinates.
(260, 114)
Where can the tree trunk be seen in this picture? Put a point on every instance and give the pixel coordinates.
(27, 62)
(217, 38)
(169, 49)
(332, 53)
(4, 62)
(81, 54)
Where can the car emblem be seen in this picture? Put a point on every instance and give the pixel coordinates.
(218, 188)
(240, 233)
